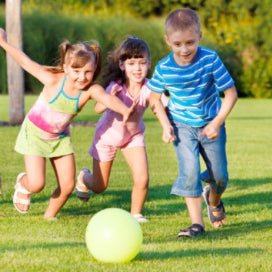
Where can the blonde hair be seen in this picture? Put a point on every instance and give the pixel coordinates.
(77, 55)
(182, 19)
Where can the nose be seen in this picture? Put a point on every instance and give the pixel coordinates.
(138, 66)
(184, 48)
(82, 76)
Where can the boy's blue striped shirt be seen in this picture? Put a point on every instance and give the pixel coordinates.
(194, 89)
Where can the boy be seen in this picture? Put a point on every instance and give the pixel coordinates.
(194, 76)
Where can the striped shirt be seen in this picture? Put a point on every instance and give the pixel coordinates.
(194, 89)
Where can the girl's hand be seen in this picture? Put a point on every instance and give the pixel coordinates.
(3, 35)
(130, 111)
(115, 90)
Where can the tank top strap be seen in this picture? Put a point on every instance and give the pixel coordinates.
(59, 92)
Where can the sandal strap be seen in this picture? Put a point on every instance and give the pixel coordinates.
(19, 200)
(193, 230)
(219, 208)
(83, 194)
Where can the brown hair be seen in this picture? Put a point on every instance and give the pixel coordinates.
(77, 55)
(182, 19)
(132, 47)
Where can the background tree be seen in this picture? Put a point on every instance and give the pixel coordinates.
(15, 75)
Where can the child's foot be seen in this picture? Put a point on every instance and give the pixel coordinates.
(192, 231)
(140, 218)
(21, 197)
(82, 192)
(51, 218)
(216, 215)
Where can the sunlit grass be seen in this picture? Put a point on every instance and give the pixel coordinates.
(29, 243)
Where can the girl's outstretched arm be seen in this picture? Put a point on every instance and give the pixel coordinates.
(32, 67)
(111, 101)
(99, 107)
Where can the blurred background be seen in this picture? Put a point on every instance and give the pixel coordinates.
(240, 31)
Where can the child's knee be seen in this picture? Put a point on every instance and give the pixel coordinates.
(100, 188)
(142, 182)
(35, 185)
(220, 184)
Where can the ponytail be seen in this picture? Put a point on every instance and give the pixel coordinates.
(98, 59)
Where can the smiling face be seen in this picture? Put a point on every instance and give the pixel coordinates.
(184, 44)
(80, 77)
(135, 69)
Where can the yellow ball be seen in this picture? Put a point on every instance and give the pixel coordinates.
(113, 235)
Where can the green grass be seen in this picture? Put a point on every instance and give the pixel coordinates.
(29, 243)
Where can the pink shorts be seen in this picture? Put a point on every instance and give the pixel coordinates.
(103, 152)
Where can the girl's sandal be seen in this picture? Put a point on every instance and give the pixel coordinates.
(19, 189)
(82, 192)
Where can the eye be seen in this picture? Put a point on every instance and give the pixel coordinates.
(190, 42)
(177, 44)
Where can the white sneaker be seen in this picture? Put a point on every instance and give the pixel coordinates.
(140, 218)
(82, 192)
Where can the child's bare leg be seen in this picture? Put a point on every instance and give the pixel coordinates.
(137, 161)
(98, 180)
(34, 179)
(194, 206)
(64, 168)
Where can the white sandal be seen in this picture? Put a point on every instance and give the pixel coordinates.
(82, 192)
(140, 218)
(19, 200)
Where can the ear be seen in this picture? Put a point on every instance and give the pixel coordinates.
(121, 66)
(200, 35)
(167, 39)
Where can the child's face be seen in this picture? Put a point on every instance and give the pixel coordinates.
(136, 69)
(184, 44)
(80, 77)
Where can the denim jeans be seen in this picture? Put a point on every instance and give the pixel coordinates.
(189, 145)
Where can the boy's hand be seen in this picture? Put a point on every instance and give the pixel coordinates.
(211, 131)
(168, 135)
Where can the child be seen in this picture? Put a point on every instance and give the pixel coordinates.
(194, 76)
(126, 77)
(45, 130)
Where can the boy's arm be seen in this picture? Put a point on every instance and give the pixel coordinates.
(23, 60)
(158, 109)
(212, 129)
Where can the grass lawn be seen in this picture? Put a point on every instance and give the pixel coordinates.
(29, 243)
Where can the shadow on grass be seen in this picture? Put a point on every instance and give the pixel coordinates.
(143, 256)
(160, 201)
(151, 255)
(240, 184)
(49, 246)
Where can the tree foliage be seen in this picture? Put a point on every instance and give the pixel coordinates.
(239, 30)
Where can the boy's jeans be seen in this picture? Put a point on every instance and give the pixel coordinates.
(189, 145)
